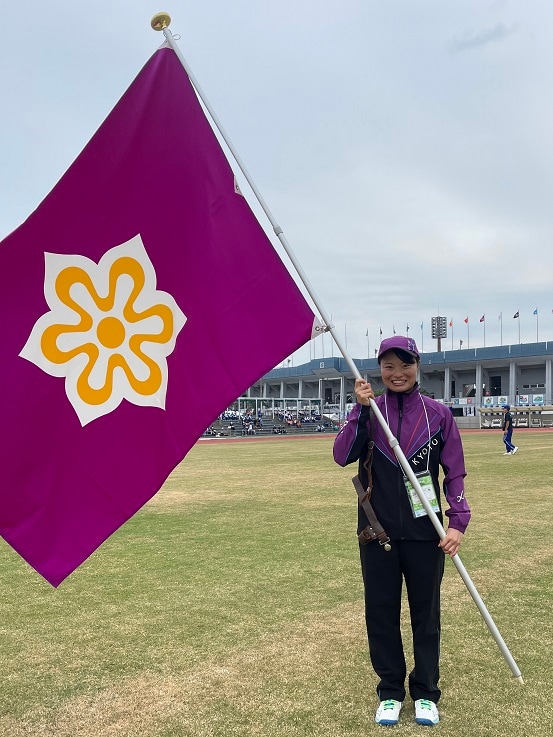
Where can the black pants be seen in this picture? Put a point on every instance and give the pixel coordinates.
(421, 565)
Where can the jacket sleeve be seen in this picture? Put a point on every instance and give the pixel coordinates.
(352, 439)
(453, 464)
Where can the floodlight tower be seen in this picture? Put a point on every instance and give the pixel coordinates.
(439, 330)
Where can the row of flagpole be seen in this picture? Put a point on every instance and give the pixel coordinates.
(466, 320)
(160, 22)
(482, 320)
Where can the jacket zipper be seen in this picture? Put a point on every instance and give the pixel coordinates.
(401, 484)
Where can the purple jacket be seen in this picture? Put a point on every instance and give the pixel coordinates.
(430, 440)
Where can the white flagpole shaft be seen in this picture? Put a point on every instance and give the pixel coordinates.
(327, 321)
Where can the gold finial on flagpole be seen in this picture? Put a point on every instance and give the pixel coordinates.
(160, 21)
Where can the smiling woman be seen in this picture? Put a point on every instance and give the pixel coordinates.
(430, 438)
(399, 369)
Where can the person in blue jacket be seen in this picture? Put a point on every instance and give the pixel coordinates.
(510, 447)
(431, 442)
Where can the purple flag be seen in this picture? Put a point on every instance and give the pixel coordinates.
(139, 300)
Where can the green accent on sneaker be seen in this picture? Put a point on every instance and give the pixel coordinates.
(387, 713)
(426, 712)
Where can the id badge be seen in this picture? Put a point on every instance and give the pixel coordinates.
(427, 486)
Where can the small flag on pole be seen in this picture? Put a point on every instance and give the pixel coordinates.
(466, 320)
(123, 342)
(482, 318)
(535, 311)
(516, 315)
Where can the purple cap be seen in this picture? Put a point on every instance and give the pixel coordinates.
(401, 342)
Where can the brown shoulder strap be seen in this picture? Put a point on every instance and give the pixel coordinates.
(374, 530)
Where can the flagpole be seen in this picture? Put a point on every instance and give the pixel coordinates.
(160, 22)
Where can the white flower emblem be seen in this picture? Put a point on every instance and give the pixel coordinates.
(109, 330)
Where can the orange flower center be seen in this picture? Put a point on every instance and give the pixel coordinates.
(110, 332)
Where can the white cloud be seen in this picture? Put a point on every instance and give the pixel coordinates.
(473, 39)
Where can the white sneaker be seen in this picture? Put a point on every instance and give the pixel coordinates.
(387, 713)
(507, 453)
(514, 450)
(426, 712)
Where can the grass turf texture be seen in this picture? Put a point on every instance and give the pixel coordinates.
(232, 605)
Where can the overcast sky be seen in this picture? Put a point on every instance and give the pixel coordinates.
(404, 146)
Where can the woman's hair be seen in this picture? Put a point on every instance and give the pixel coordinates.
(404, 356)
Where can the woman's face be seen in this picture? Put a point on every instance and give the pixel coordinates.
(396, 375)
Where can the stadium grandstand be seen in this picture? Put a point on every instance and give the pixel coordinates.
(316, 396)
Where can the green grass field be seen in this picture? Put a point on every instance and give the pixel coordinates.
(231, 605)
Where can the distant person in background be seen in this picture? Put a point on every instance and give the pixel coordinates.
(510, 448)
